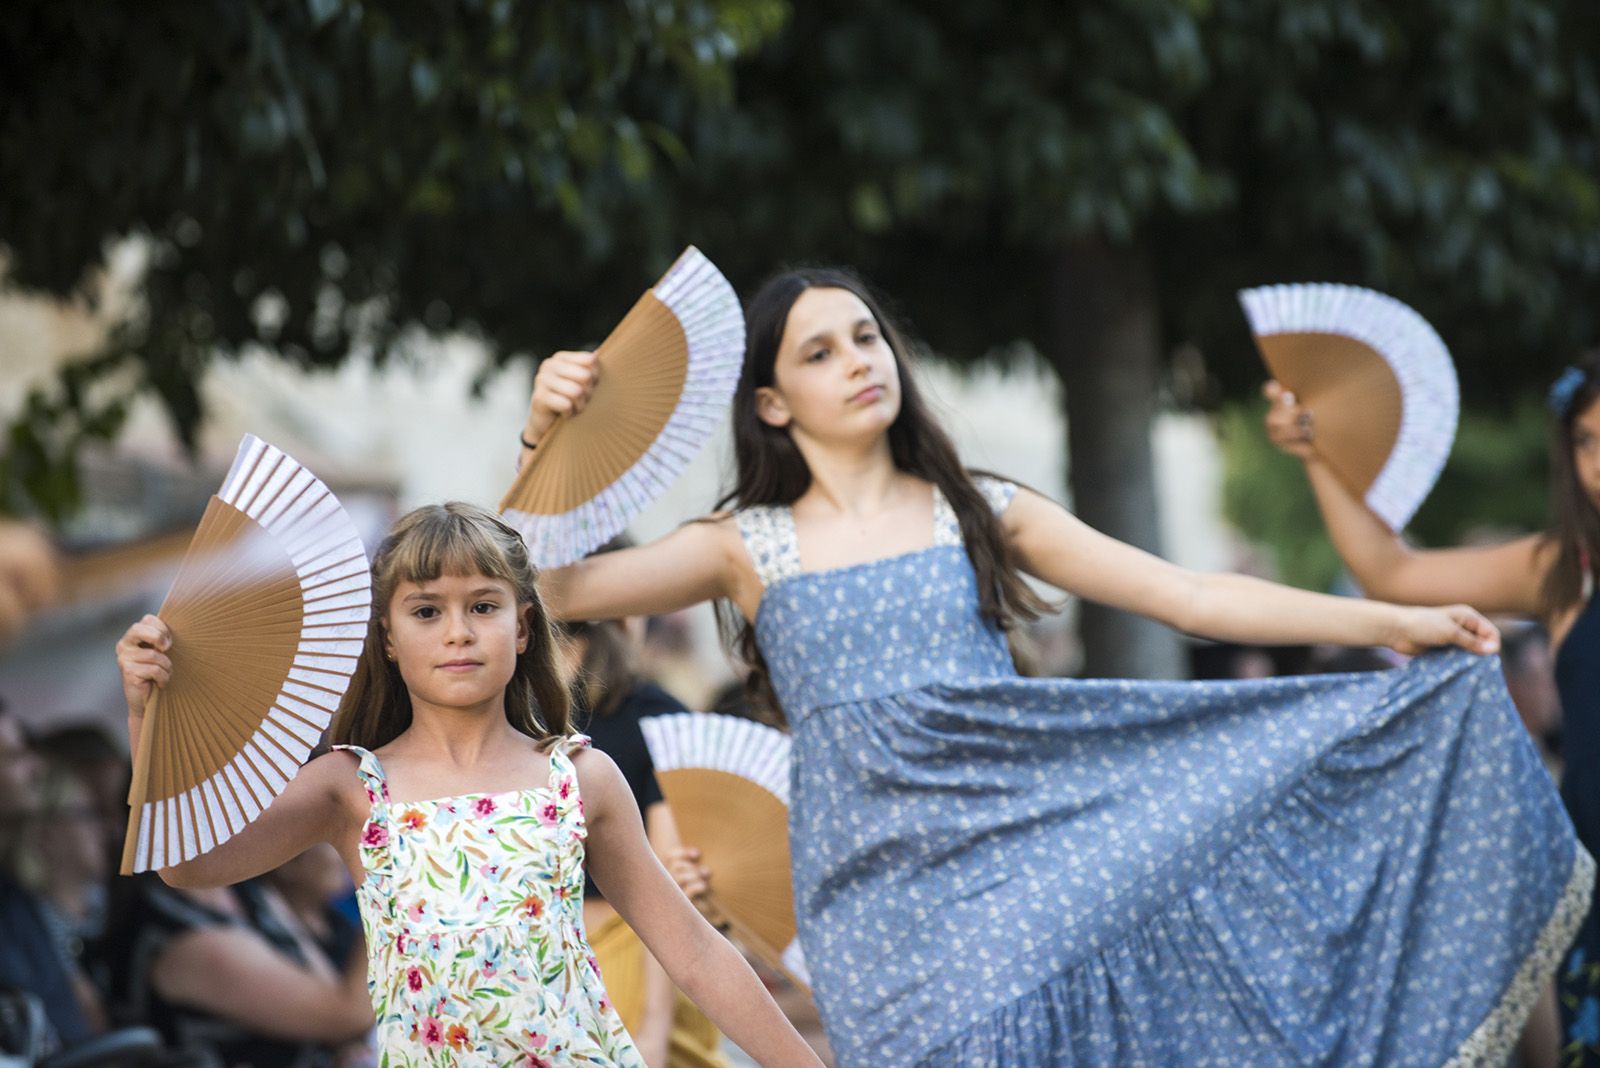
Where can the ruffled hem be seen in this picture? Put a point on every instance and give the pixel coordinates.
(1491, 1041)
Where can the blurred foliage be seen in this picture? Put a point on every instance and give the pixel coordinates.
(322, 176)
(1267, 497)
(319, 177)
(1445, 151)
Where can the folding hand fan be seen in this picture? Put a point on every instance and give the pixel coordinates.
(667, 373)
(726, 780)
(267, 612)
(1377, 379)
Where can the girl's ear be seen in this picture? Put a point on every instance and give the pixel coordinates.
(771, 408)
(524, 628)
(388, 642)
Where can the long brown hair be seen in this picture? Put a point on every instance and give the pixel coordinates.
(452, 539)
(1575, 528)
(769, 469)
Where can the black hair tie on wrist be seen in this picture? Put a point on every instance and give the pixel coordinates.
(526, 444)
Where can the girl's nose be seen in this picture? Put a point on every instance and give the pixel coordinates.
(460, 628)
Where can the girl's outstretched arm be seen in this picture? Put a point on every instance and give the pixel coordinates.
(1054, 545)
(700, 961)
(323, 803)
(699, 561)
(1502, 578)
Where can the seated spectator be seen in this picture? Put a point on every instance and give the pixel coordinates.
(29, 959)
(230, 977)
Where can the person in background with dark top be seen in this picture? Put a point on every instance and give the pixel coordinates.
(229, 976)
(62, 862)
(609, 700)
(88, 751)
(28, 956)
(1548, 577)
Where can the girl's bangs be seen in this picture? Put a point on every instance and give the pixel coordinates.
(450, 545)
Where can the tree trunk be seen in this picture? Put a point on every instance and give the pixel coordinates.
(1103, 339)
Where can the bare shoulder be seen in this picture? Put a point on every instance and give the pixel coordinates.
(600, 781)
(334, 775)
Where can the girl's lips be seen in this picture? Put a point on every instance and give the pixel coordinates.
(868, 395)
(460, 665)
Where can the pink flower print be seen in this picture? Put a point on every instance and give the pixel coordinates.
(533, 1060)
(483, 806)
(549, 813)
(400, 942)
(594, 965)
(372, 798)
(580, 806)
(605, 1003)
(413, 979)
(432, 1032)
(489, 871)
(416, 910)
(374, 836)
(537, 1039)
(565, 788)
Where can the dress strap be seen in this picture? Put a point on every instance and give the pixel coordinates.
(376, 833)
(769, 538)
(563, 776)
(370, 772)
(947, 528)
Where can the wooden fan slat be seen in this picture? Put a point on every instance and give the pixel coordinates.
(251, 678)
(202, 728)
(1352, 393)
(206, 560)
(632, 380)
(741, 831)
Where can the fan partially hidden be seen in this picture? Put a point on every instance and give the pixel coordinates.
(1377, 379)
(268, 612)
(726, 780)
(667, 373)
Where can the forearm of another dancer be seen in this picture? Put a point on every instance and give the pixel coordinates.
(1499, 579)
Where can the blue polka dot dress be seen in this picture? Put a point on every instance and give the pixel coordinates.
(993, 870)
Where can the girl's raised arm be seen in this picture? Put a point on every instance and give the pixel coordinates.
(699, 561)
(700, 961)
(1054, 545)
(1500, 579)
(323, 803)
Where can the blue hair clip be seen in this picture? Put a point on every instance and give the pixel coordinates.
(1561, 394)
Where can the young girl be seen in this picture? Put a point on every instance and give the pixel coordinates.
(1004, 871)
(1548, 577)
(466, 812)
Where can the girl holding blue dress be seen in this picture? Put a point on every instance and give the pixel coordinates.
(993, 870)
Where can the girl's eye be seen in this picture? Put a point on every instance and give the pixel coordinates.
(869, 337)
(819, 354)
(426, 611)
(483, 608)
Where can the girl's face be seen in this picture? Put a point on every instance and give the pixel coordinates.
(1586, 451)
(456, 639)
(835, 376)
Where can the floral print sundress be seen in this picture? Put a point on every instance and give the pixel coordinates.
(473, 911)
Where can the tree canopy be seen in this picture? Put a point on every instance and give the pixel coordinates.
(318, 177)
